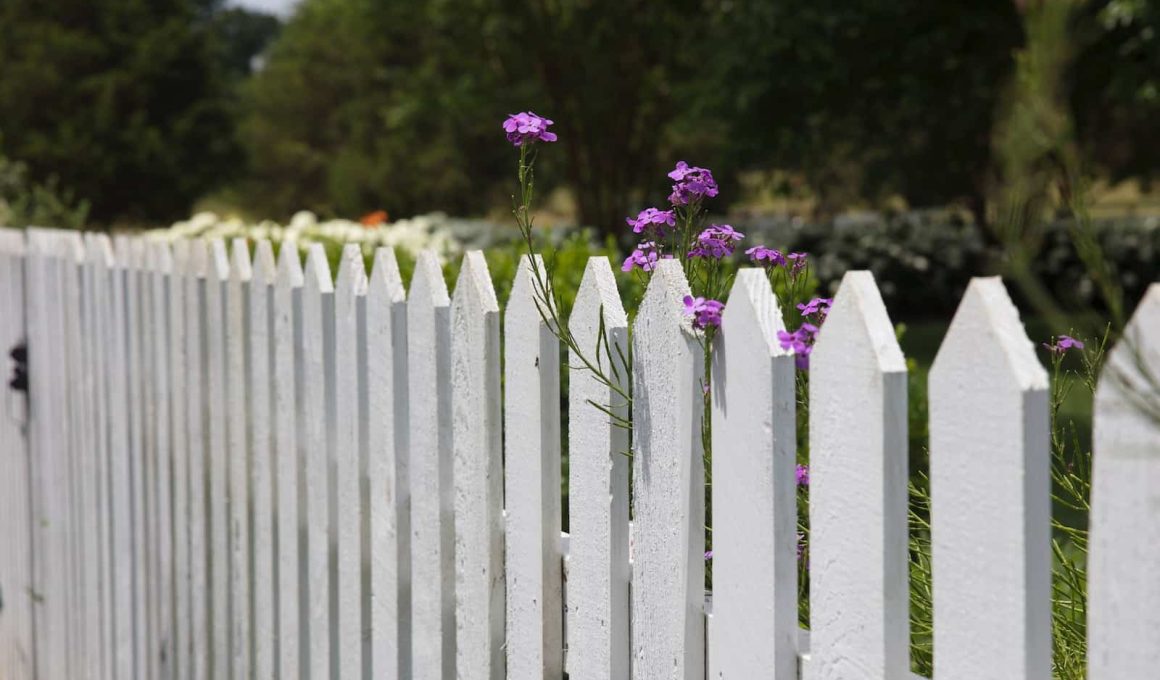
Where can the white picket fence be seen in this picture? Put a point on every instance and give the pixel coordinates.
(233, 469)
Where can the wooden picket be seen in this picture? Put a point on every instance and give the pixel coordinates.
(236, 467)
(477, 473)
(384, 432)
(753, 631)
(430, 462)
(668, 567)
(1123, 592)
(858, 472)
(535, 607)
(259, 402)
(598, 582)
(990, 495)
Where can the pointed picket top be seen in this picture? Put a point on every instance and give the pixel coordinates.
(290, 274)
(598, 295)
(265, 268)
(990, 494)
(122, 251)
(161, 258)
(525, 292)
(240, 267)
(474, 286)
(668, 481)
(316, 272)
(753, 633)
(197, 265)
(1123, 592)
(352, 272)
(72, 246)
(385, 279)
(218, 261)
(858, 490)
(427, 285)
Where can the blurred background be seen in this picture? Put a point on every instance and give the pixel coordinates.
(927, 141)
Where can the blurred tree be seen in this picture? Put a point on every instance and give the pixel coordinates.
(124, 101)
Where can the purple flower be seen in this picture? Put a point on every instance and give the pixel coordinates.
(1063, 343)
(818, 307)
(801, 342)
(803, 475)
(797, 262)
(705, 313)
(708, 554)
(692, 184)
(527, 128)
(716, 241)
(653, 218)
(645, 256)
(771, 256)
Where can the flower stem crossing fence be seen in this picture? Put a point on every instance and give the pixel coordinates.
(230, 468)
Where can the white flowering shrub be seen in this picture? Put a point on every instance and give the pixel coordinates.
(410, 236)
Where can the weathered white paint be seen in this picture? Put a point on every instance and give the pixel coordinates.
(217, 453)
(130, 260)
(430, 460)
(289, 443)
(238, 463)
(598, 568)
(317, 367)
(388, 503)
(101, 258)
(990, 495)
(859, 604)
(668, 569)
(177, 290)
(1123, 591)
(16, 643)
(754, 497)
(535, 608)
(350, 287)
(260, 367)
(478, 473)
(196, 338)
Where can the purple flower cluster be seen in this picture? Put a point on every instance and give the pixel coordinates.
(645, 256)
(803, 475)
(653, 219)
(801, 342)
(527, 128)
(705, 312)
(816, 309)
(692, 184)
(717, 241)
(771, 256)
(1062, 344)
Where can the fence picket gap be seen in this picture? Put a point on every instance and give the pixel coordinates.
(668, 569)
(315, 410)
(430, 460)
(990, 495)
(535, 624)
(388, 498)
(858, 478)
(753, 631)
(261, 480)
(1123, 593)
(289, 443)
(238, 464)
(598, 567)
(478, 473)
(350, 287)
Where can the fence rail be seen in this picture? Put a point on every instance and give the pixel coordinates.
(231, 465)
